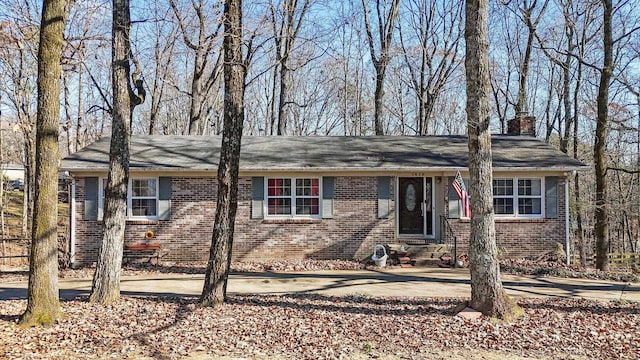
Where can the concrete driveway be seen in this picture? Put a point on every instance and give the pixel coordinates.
(427, 282)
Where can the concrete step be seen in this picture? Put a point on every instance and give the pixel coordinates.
(430, 251)
(419, 255)
(427, 262)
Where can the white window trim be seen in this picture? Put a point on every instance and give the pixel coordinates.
(516, 196)
(467, 184)
(130, 198)
(129, 215)
(265, 206)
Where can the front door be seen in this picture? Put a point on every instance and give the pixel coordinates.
(411, 198)
(415, 214)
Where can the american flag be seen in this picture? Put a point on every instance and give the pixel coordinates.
(463, 195)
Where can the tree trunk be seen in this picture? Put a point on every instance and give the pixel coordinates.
(195, 112)
(272, 102)
(43, 306)
(378, 95)
(202, 48)
(29, 176)
(67, 111)
(214, 290)
(106, 280)
(3, 202)
(285, 36)
(599, 150)
(521, 105)
(386, 27)
(487, 294)
(79, 138)
(282, 99)
(582, 248)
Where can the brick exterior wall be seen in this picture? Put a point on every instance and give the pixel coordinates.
(186, 237)
(517, 238)
(350, 234)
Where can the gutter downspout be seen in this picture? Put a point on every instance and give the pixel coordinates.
(72, 223)
(566, 219)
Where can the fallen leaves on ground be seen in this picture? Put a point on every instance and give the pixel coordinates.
(507, 266)
(560, 269)
(141, 269)
(310, 326)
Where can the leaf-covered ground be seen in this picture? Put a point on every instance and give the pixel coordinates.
(321, 327)
(508, 266)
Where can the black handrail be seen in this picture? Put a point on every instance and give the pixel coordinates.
(447, 233)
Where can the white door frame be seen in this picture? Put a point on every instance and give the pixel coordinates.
(425, 235)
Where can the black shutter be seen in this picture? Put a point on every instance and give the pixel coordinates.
(384, 197)
(257, 197)
(551, 197)
(454, 200)
(164, 198)
(328, 184)
(91, 198)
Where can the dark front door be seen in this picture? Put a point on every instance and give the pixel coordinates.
(411, 220)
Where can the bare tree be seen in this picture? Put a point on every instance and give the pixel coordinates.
(214, 291)
(526, 9)
(106, 280)
(487, 293)
(503, 67)
(164, 35)
(85, 38)
(286, 20)
(577, 40)
(387, 15)
(349, 57)
(203, 45)
(437, 27)
(19, 59)
(43, 306)
(601, 228)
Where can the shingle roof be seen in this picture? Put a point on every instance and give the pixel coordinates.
(324, 153)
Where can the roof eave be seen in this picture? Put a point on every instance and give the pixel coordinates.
(336, 169)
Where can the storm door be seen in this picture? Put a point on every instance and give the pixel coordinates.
(415, 210)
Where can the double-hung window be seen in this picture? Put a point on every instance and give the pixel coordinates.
(518, 197)
(290, 197)
(142, 198)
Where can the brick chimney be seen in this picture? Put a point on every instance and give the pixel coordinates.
(522, 125)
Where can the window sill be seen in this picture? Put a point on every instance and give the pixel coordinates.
(291, 221)
(137, 221)
(506, 220)
(142, 221)
(520, 220)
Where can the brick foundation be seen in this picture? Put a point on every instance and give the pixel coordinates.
(518, 238)
(350, 234)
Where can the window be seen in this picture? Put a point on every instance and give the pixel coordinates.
(518, 197)
(279, 196)
(142, 198)
(503, 196)
(293, 197)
